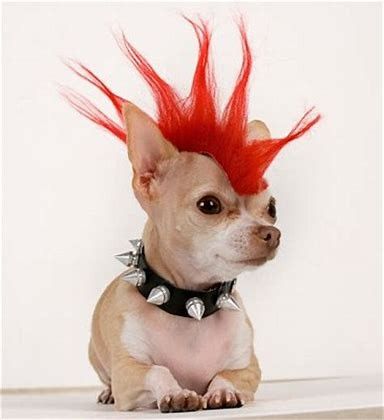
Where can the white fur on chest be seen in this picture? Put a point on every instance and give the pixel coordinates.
(194, 351)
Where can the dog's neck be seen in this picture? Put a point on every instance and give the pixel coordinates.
(169, 265)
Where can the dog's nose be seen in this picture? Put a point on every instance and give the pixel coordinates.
(270, 235)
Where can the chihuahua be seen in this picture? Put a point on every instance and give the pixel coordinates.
(146, 356)
(171, 332)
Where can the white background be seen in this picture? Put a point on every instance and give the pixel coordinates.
(68, 206)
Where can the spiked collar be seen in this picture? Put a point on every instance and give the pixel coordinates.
(176, 301)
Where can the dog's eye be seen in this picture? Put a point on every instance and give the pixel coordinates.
(272, 208)
(209, 205)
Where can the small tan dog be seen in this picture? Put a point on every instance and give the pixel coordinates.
(146, 356)
(171, 331)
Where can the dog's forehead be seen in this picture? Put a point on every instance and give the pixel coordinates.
(199, 170)
(261, 198)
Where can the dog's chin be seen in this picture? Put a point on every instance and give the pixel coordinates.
(251, 263)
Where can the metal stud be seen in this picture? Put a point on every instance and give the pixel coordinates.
(226, 301)
(137, 244)
(127, 258)
(195, 308)
(159, 295)
(131, 258)
(135, 276)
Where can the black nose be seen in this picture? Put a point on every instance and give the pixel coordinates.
(270, 235)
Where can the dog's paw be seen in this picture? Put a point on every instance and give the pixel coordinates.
(223, 398)
(106, 397)
(183, 400)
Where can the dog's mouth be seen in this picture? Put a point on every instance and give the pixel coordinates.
(254, 261)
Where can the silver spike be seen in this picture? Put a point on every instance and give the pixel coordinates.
(137, 244)
(159, 295)
(226, 301)
(135, 276)
(127, 258)
(195, 308)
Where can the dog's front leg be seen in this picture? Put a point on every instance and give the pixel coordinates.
(136, 384)
(233, 388)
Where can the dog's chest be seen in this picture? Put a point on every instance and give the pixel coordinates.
(194, 351)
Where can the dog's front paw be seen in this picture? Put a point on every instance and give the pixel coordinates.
(183, 400)
(106, 397)
(223, 398)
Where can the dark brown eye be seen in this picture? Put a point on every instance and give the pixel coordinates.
(272, 208)
(209, 205)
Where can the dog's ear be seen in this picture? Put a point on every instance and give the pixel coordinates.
(147, 147)
(257, 130)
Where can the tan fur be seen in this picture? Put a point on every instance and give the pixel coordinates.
(132, 347)
(110, 360)
(244, 380)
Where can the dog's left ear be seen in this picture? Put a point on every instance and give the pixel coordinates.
(257, 130)
(147, 147)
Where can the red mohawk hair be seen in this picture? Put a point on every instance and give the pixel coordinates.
(195, 123)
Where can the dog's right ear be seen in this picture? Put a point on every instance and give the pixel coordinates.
(257, 130)
(147, 148)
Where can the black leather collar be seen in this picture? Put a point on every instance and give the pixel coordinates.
(176, 305)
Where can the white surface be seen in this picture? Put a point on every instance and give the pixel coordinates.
(68, 206)
(272, 399)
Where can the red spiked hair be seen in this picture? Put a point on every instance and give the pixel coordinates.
(195, 123)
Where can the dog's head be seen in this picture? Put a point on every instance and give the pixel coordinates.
(212, 219)
(189, 199)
